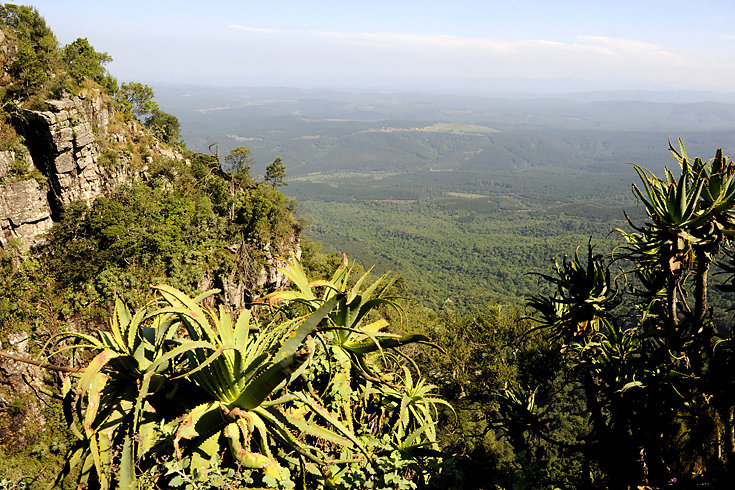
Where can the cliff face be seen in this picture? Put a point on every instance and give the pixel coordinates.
(65, 144)
(56, 152)
(63, 147)
(245, 286)
(69, 147)
(25, 213)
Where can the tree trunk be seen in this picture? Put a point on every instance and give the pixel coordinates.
(700, 291)
(701, 332)
(671, 299)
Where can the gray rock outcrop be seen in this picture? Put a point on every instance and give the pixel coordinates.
(253, 279)
(24, 208)
(66, 144)
(63, 142)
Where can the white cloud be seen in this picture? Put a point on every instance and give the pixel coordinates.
(256, 30)
(625, 47)
(600, 45)
(408, 56)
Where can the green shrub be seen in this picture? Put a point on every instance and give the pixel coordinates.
(108, 158)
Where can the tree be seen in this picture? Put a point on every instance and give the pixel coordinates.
(137, 99)
(37, 54)
(164, 125)
(275, 173)
(238, 164)
(83, 62)
(652, 361)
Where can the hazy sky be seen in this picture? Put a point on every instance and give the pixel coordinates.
(445, 46)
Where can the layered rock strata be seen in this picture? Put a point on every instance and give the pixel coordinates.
(24, 208)
(63, 145)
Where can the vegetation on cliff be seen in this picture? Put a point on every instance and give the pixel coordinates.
(616, 375)
(179, 218)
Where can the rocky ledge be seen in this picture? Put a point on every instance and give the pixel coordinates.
(65, 144)
(24, 208)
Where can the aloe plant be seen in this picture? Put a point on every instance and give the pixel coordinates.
(254, 384)
(584, 298)
(347, 327)
(109, 411)
(689, 218)
(361, 349)
(651, 372)
(240, 368)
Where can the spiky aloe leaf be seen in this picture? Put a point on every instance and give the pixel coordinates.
(315, 430)
(367, 345)
(127, 479)
(261, 386)
(201, 459)
(206, 294)
(183, 348)
(68, 407)
(120, 320)
(72, 460)
(242, 328)
(246, 457)
(94, 395)
(94, 367)
(340, 276)
(148, 435)
(367, 306)
(329, 418)
(278, 427)
(295, 272)
(106, 452)
(306, 328)
(94, 449)
(189, 308)
(140, 399)
(410, 443)
(165, 326)
(86, 471)
(202, 420)
(212, 374)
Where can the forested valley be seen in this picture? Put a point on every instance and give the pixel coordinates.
(272, 288)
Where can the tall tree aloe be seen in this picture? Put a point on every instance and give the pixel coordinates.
(653, 367)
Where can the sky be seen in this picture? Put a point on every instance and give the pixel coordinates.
(458, 46)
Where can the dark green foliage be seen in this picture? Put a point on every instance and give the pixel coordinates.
(145, 231)
(164, 126)
(83, 62)
(175, 226)
(652, 371)
(21, 286)
(260, 215)
(449, 253)
(275, 173)
(518, 415)
(37, 56)
(238, 164)
(136, 99)
(38, 69)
